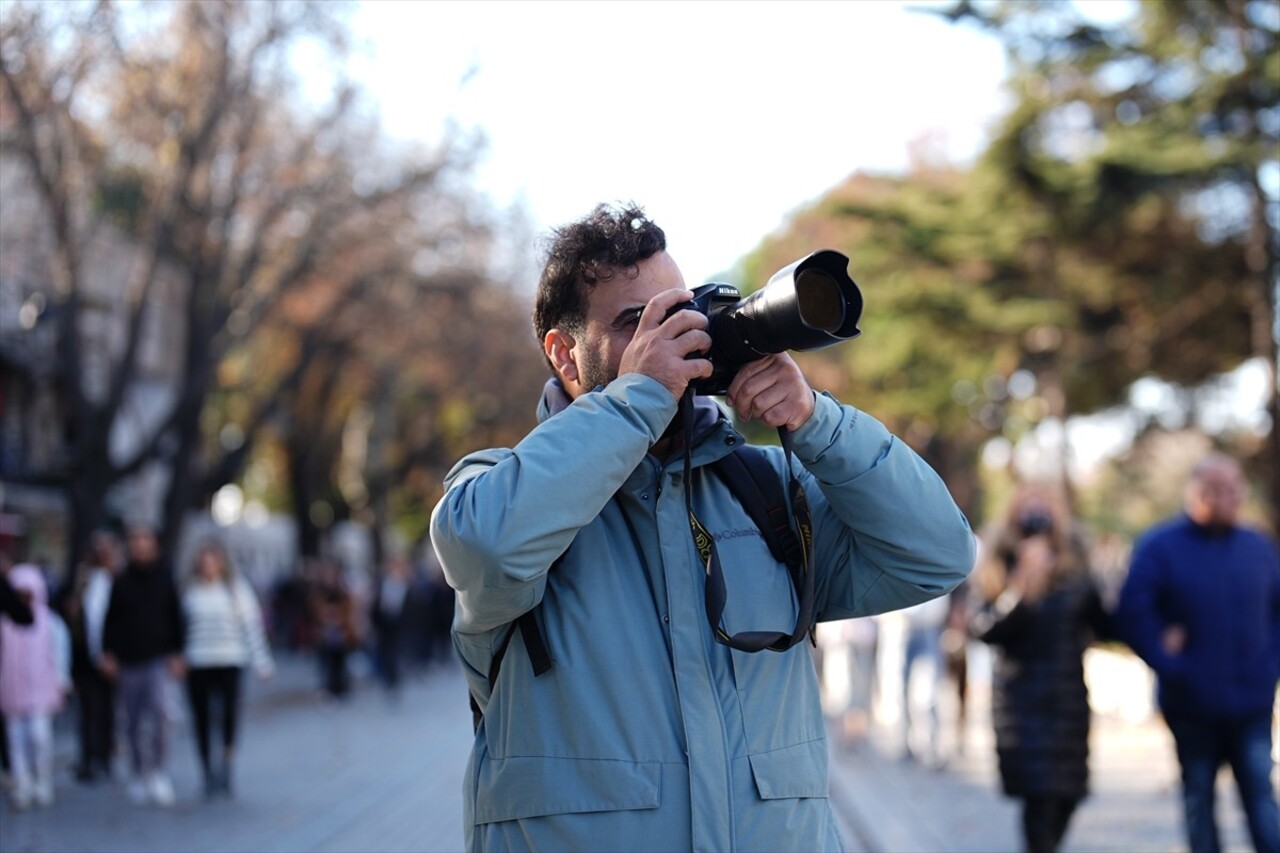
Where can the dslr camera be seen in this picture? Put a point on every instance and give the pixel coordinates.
(807, 305)
(1033, 523)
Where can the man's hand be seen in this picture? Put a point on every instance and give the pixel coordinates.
(1173, 640)
(177, 667)
(660, 346)
(109, 665)
(772, 390)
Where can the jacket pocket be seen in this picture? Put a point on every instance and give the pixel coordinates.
(791, 772)
(524, 787)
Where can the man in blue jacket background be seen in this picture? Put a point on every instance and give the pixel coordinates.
(1201, 606)
(649, 731)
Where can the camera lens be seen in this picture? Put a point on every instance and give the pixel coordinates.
(809, 304)
(819, 300)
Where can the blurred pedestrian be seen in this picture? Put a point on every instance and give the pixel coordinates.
(441, 599)
(387, 616)
(16, 608)
(224, 634)
(142, 649)
(289, 607)
(955, 656)
(84, 607)
(919, 726)
(12, 604)
(1201, 605)
(35, 679)
(336, 635)
(848, 651)
(1040, 609)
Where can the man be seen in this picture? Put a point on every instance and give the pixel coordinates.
(1201, 606)
(647, 733)
(142, 642)
(387, 616)
(85, 611)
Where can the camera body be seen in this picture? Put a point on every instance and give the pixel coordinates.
(713, 300)
(1034, 523)
(807, 305)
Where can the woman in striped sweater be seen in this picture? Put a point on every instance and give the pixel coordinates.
(224, 635)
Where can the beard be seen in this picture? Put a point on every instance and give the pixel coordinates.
(594, 372)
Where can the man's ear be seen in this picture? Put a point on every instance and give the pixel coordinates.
(558, 345)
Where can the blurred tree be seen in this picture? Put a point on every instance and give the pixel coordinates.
(186, 126)
(927, 323)
(400, 383)
(991, 308)
(1173, 112)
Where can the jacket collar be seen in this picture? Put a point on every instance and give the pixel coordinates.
(714, 434)
(554, 400)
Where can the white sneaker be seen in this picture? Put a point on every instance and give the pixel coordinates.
(137, 790)
(161, 789)
(44, 793)
(22, 794)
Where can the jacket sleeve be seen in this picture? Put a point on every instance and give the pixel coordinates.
(506, 515)
(1138, 619)
(178, 621)
(111, 621)
(61, 650)
(887, 533)
(1003, 622)
(255, 633)
(1274, 574)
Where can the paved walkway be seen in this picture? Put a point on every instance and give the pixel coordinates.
(366, 774)
(372, 775)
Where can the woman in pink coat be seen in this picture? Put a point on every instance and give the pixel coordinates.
(34, 680)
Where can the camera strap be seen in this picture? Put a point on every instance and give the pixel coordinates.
(792, 536)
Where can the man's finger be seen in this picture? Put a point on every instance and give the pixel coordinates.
(694, 340)
(683, 321)
(698, 368)
(659, 306)
(749, 371)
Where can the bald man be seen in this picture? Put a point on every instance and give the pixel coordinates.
(1201, 606)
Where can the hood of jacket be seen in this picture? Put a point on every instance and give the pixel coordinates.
(30, 579)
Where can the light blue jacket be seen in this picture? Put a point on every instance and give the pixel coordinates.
(646, 734)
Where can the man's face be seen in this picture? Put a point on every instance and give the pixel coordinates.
(1215, 497)
(612, 315)
(143, 547)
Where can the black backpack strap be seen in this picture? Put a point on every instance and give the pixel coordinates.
(757, 492)
(757, 486)
(495, 664)
(534, 643)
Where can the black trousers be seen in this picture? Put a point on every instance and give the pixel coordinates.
(387, 652)
(333, 670)
(1044, 822)
(96, 703)
(205, 686)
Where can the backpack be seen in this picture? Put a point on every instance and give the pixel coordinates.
(756, 486)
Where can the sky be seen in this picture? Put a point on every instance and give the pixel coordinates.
(720, 118)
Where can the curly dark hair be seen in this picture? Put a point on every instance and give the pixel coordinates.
(610, 240)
